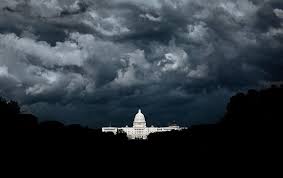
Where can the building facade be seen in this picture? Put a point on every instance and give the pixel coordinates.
(139, 129)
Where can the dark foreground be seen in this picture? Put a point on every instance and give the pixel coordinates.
(251, 129)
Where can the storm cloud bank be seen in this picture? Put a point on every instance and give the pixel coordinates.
(92, 61)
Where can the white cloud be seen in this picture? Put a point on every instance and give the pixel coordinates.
(174, 60)
(47, 81)
(4, 71)
(79, 85)
(74, 7)
(200, 72)
(37, 77)
(134, 61)
(278, 13)
(198, 33)
(108, 26)
(151, 18)
(273, 32)
(9, 3)
(45, 8)
(69, 84)
(232, 8)
(36, 89)
(239, 9)
(67, 53)
(147, 3)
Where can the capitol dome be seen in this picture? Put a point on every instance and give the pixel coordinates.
(139, 120)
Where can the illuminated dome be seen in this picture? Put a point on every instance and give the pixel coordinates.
(139, 120)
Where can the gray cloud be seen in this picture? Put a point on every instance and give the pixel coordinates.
(92, 61)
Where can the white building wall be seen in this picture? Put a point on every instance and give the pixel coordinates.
(110, 129)
(139, 129)
(140, 133)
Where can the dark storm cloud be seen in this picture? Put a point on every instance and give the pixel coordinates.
(93, 61)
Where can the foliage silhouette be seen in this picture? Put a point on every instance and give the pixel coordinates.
(252, 123)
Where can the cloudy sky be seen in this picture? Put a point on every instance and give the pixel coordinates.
(94, 61)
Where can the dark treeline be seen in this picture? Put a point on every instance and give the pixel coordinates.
(252, 123)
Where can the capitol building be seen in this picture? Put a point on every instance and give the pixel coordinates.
(139, 129)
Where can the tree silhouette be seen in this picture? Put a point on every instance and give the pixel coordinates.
(8, 108)
(252, 121)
